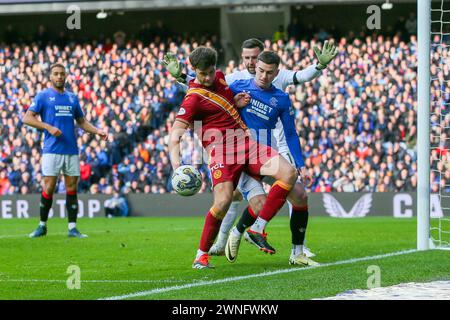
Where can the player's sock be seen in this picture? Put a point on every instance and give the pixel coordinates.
(72, 208)
(45, 206)
(296, 249)
(228, 222)
(259, 225)
(275, 200)
(298, 224)
(247, 219)
(210, 229)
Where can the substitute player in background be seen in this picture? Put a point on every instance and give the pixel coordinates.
(251, 48)
(58, 109)
(210, 100)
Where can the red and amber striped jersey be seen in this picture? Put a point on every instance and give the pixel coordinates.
(213, 106)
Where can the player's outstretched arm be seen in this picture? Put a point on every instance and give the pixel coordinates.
(31, 119)
(178, 129)
(328, 53)
(88, 127)
(175, 69)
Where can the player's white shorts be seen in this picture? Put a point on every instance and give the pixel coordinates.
(249, 187)
(54, 164)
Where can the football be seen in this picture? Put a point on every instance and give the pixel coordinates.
(186, 180)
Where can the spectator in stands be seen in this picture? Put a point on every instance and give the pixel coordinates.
(117, 206)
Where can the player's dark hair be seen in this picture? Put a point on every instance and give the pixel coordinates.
(203, 58)
(269, 57)
(253, 43)
(56, 65)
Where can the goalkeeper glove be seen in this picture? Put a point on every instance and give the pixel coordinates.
(173, 66)
(329, 52)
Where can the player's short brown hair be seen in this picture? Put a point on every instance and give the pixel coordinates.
(203, 57)
(253, 43)
(57, 65)
(269, 57)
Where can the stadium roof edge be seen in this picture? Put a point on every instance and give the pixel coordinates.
(10, 7)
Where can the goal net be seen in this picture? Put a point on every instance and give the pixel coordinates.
(440, 124)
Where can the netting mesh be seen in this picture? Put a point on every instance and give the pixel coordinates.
(440, 123)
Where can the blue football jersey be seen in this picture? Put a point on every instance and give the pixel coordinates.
(59, 110)
(262, 113)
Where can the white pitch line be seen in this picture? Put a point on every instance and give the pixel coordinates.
(257, 275)
(92, 281)
(26, 235)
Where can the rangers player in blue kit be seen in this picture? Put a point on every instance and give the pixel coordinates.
(58, 110)
(267, 107)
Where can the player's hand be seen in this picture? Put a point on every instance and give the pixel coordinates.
(103, 135)
(305, 177)
(328, 53)
(54, 131)
(173, 66)
(242, 99)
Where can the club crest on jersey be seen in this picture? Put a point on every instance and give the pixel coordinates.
(52, 98)
(71, 99)
(181, 111)
(217, 174)
(215, 170)
(273, 101)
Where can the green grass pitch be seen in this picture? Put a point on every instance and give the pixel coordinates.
(126, 256)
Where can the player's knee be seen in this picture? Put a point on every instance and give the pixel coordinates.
(298, 201)
(303, 200)
(50, 190)
(298, 196)
(290, 175)
(302, 197)
(71, 190)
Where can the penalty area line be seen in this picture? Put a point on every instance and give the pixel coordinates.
(256, 275)
(92, 281)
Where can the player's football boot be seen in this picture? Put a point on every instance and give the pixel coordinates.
(218, 249)
(302, 260)
(232, 246)
(259, 240)
(74, 233)
(202, 262)
(39, 232)
(308, 252)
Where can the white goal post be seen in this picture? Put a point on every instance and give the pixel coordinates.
(423, 124)
(433, 122)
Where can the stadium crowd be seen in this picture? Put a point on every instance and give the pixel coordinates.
(357, 121)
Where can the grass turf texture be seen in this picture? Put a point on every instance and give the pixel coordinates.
(158, 252)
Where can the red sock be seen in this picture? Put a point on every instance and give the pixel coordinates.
(275, 200)
(210, 230)
(46, 196)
